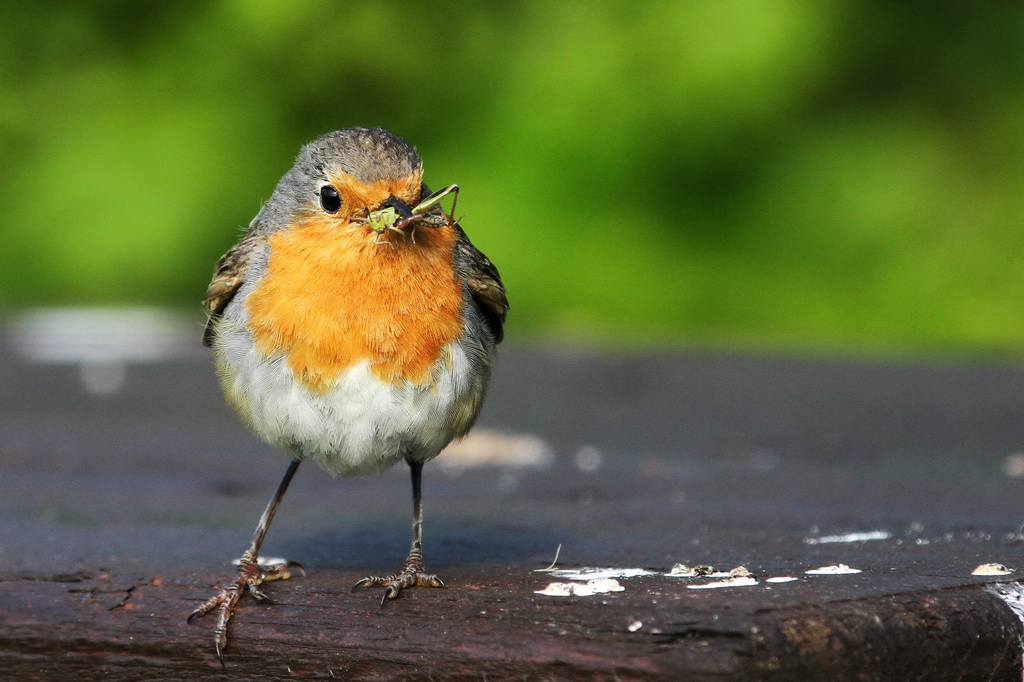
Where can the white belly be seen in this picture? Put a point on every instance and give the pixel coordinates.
(361, 425)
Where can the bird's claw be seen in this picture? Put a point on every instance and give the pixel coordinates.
(250, 574)
(394, 584)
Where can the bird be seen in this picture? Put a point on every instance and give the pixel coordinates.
(354, 325)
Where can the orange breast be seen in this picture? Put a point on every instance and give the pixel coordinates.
(331, 298)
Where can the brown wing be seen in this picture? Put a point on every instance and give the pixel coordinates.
(227, 278)
(484, 281)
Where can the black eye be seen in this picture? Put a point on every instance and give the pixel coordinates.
(330, 200)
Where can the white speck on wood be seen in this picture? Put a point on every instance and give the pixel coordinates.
(835, 569)
(849, 537)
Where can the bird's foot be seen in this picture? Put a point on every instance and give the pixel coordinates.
(412, 574)
(250, 574)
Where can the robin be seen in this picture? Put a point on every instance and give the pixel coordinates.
(353, 325)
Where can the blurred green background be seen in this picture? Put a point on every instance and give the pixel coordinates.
(791, 174)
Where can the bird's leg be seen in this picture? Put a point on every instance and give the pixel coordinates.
(250, 574)
(412, 572)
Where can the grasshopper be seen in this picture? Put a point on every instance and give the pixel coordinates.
(384, 219)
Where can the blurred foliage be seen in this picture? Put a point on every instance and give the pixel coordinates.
(794, 173)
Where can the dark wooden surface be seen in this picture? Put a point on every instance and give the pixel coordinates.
(120, 513)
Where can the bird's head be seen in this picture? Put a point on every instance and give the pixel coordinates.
(367, 179)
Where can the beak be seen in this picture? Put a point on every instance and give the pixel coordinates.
(401, 208)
